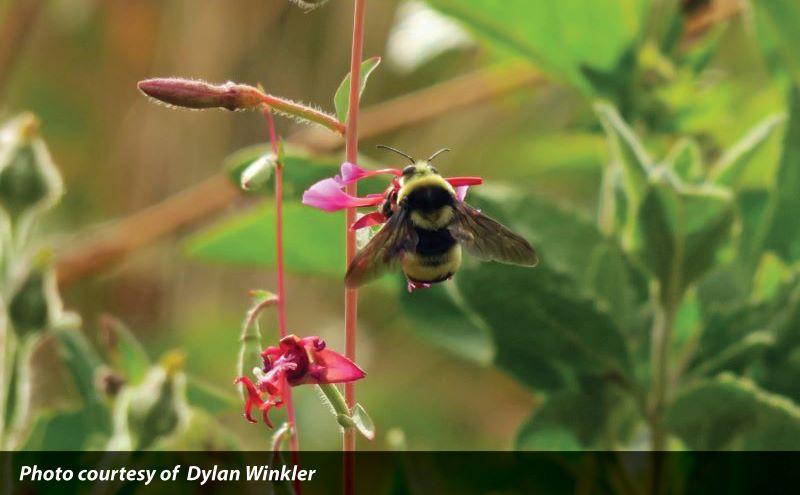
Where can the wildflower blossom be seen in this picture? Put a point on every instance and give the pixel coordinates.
(293, 362)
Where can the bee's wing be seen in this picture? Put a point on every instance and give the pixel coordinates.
(382, 252)
(490, 240)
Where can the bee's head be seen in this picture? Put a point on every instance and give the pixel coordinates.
(418, 170)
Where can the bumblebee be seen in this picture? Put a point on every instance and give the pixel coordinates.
(427, 226)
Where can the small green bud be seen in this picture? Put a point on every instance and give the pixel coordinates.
(36, 304)
(154, 409)
(309, 5)
(257, 174)
(29, 180)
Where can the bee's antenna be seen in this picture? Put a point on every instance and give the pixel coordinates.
(383, 146)
(438, 153)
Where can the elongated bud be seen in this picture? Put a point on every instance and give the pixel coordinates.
(29, 180)
(188, 93)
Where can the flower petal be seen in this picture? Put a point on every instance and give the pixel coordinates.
(253, 397)
(464, 181)
(327, 195)
(332, 367)
(351, 172)
(368, 220)
(461, 192)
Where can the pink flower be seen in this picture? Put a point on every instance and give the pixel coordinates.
(327, 195)
(350, 173)
(294, 362)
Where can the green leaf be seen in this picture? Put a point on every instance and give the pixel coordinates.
(562, 38)
(595, 416)
(778, 20)
(728, 324)
(210, 398)
(250, 240)
(685, 162)
(124, 351)
(82, 362)
(681, 230)
(363, 422)
(784, 234)
(439, 316)
(629, 168)
(737, 159)
(341, 99)
(729, 412)
(64, 431)
(540, 315)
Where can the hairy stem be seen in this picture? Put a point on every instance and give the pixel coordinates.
(303, 111)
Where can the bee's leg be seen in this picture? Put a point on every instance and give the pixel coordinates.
(412, 285)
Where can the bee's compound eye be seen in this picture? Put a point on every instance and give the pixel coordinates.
(409, 170)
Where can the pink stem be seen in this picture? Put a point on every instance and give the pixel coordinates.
(351, 295)
(294, 443)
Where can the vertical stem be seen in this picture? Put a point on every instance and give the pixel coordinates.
(666, 305)
(294, 443)
(351, 295)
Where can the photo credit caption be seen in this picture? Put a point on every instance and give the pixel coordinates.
(176, 473)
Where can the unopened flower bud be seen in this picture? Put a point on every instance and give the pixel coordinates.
(36, 304)
(152, 410)
(257, 174)
(28, 178)
(188, 93)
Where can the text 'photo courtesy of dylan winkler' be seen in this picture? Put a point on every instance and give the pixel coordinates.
(399, 246)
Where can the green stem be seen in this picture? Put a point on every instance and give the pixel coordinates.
(6, 371)
(339, 404)
(661, 340)
(20, 415)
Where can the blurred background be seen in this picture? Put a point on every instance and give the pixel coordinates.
(525, 121)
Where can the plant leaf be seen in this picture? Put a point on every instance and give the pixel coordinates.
(598, 34)
(210, 398)
(363, 422)
(784, 234)
(124, 351)
(250, 240)
(729, 412)
(341, 99)
(733, 164)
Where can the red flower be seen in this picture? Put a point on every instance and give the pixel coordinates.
(294, 362)
(328, 195)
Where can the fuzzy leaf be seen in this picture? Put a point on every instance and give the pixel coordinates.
(729, 412)
(738, 158)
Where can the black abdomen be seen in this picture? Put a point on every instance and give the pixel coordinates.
(434, 243)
